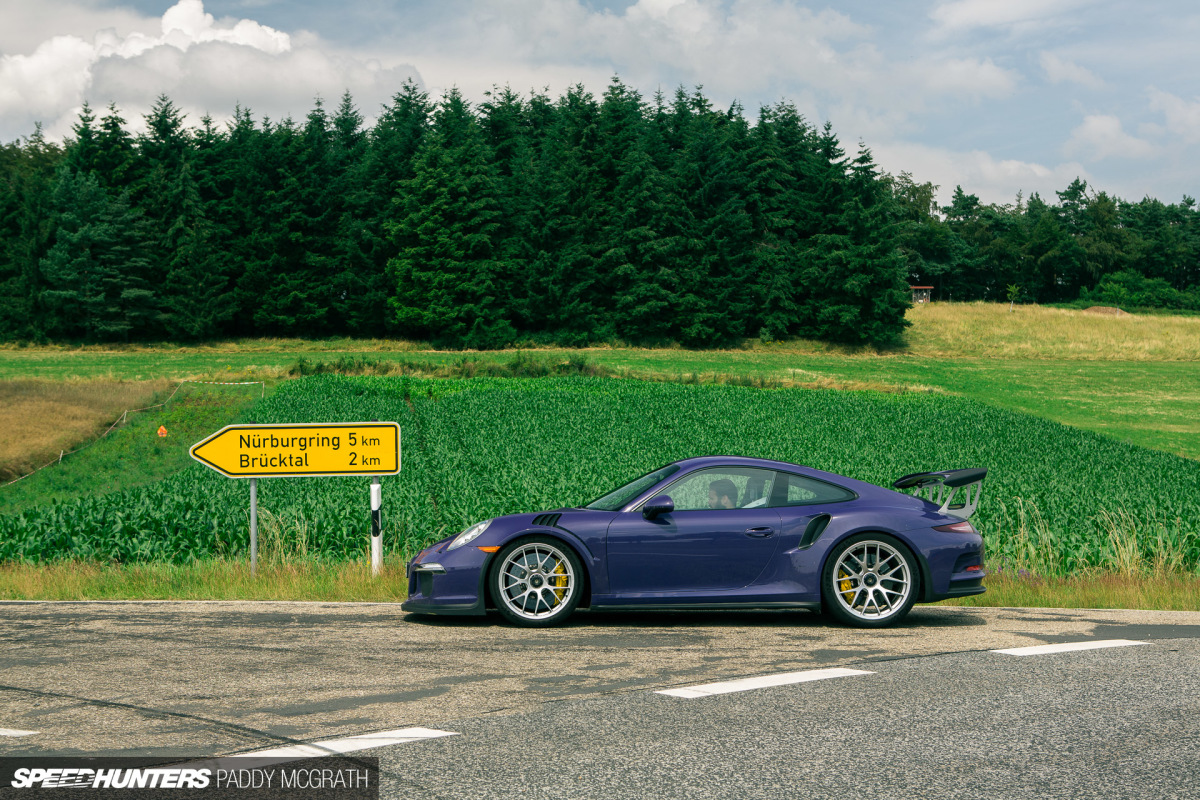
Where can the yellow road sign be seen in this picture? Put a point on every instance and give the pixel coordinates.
(302, 450)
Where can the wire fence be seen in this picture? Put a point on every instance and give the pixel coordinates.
(125, 416)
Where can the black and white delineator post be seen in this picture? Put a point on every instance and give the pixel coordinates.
(376, 526)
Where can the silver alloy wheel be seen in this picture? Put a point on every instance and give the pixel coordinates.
(536, 580)
(872, 580)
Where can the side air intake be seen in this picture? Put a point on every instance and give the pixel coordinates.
(547, 520)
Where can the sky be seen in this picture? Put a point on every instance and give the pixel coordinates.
(999, 96)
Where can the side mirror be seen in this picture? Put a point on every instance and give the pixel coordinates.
(656, 506)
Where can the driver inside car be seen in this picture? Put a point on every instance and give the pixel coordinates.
(722, 493)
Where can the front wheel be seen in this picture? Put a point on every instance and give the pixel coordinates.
(536, 582)
(870, 581)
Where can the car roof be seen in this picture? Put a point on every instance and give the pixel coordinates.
(701, 462)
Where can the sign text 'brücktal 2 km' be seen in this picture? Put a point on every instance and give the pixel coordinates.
(302, 450)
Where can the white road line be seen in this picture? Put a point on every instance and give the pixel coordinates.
(351, 743)
(746, 684)
(11, 732)
(1041, 649)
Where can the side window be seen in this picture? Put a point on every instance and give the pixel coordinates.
(723, 487)
(796, 490)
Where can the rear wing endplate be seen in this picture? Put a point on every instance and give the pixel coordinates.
(944, 488)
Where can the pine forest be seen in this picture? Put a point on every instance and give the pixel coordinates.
(527, 218)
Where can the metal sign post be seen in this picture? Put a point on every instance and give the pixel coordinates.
(305, 450)
(253, 526)
(376, 526)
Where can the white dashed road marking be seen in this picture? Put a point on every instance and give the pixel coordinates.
(351, 743)
(746, 684)
(11, 732)
(1041, 649)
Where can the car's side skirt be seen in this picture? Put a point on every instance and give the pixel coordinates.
(595, 606)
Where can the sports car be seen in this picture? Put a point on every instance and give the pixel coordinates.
(719, 532)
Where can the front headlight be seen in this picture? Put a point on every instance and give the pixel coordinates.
(470, 534)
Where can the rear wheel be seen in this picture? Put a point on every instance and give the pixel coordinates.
(536, 582)
(870, 581)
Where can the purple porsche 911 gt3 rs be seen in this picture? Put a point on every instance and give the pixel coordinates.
(719, 532)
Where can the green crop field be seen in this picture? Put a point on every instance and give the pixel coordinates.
(1134, 377)
(1058, 499)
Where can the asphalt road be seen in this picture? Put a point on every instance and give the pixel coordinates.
(574, 712)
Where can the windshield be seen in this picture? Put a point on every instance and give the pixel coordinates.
(619, 497)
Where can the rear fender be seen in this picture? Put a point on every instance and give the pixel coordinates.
(925, 589)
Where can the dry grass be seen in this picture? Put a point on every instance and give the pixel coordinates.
(990, 330)
(1171, 592)
(204, 580)
(314, 580)
(40, 417)
(941, 330)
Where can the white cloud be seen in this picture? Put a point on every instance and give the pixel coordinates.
(203, 64)
(1060, 70)
(27, 24)
(1101, 136)
(965, 15)
(746, 50)
(1182, 116)
(49, 80)
(978, 172)
(971, 77)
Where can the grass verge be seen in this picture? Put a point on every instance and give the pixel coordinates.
(1169, 592)
(221, 579)
(216, 579)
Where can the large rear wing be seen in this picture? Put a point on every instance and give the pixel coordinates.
(944, 487)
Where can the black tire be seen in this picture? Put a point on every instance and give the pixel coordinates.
(527, 580)
(877, 583)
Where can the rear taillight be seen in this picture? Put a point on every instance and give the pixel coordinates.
(957, 527)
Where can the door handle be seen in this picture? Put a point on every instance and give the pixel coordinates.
(760, 533)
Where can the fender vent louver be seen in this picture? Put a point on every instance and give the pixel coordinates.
(548, 520)
(816, 526)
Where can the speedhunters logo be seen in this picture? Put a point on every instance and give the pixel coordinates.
(79, 778)
(332, 777)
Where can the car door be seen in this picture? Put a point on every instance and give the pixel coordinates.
(806, 506)
(697, 547)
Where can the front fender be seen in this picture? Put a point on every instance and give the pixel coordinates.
(593, 566)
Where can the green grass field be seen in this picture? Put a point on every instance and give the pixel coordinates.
(1059, 501)
(1133, 378)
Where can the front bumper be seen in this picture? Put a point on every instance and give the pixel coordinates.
(447, 582)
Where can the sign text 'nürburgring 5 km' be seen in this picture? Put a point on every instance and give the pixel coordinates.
(302, 450)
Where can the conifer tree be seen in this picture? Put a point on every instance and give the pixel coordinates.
(95, 275)
(570, 218)
(388, 163)
(196, 292)
(27, 221)
(446, 271)
(854, 277)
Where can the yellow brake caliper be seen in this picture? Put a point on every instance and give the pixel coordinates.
(846, 587)
(560, 582)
